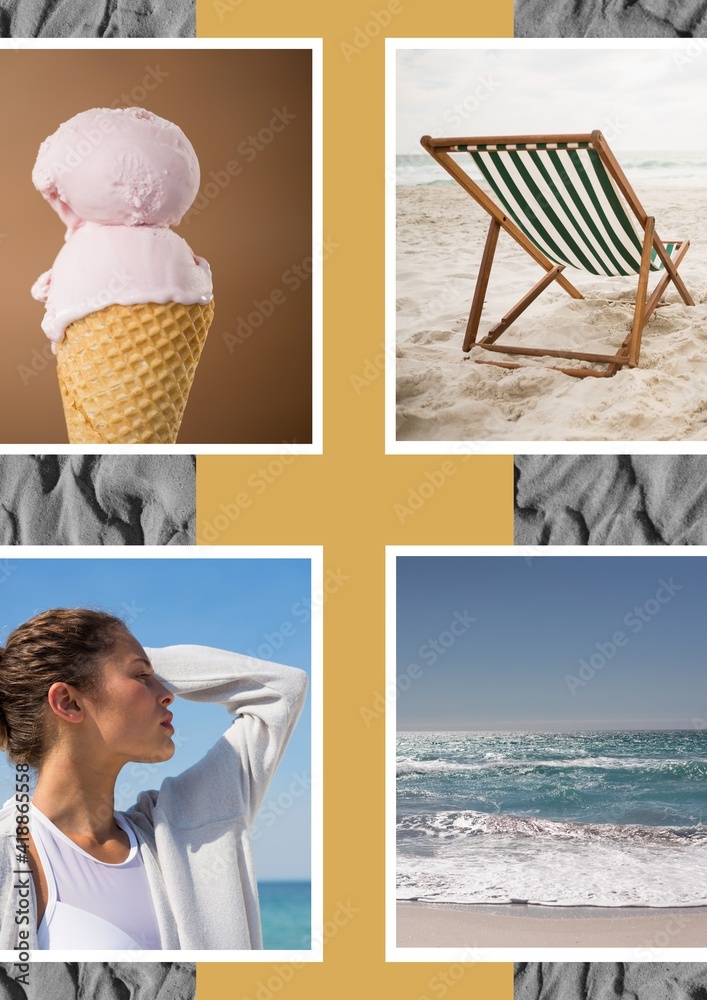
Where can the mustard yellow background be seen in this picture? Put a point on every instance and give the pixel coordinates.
(354, 500)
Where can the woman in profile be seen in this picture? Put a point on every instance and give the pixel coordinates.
(79, 699)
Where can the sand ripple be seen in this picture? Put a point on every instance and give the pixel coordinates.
(97, 500)
(100, 981)
(610, 981)
(102, 19)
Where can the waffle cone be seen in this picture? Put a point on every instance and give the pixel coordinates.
(125, 371)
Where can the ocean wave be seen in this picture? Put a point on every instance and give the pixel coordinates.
(469, 823)
(651, 164)
(595, 819)
(694, 767)
(404, 767)
(554, 864)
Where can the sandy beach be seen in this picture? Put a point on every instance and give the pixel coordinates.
(97, 499)
(99, 981)
(611, 500)
(421, 925)
(611, 19)
(102, 19)
(444, 397)
(609, 980)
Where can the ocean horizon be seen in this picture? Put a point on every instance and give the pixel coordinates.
(644, 168)
(610, 818)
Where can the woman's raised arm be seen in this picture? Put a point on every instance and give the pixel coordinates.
(265, 699)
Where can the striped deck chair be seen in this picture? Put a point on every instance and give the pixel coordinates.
(566, 201)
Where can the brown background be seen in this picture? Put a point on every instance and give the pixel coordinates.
(254, 229)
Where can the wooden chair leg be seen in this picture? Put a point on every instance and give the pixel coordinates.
(472, 327)
(547, 352)
(621, 356)
(665, 281)
(671, 268)
(576, 372)
(520, 306)
(639, 316)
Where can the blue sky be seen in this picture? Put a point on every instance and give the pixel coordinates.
(638, 624)
(235, 604)
(642, 99)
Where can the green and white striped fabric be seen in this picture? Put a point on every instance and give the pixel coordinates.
(564, 200)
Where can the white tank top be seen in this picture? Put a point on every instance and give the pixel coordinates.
(92, 904)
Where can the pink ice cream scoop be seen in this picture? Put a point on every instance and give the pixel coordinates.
(118, 179)
(117, 167)
(121, 265)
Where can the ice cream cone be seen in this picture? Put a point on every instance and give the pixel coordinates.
(125, 371)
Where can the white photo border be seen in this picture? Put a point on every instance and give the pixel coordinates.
(314, 553)
(423, 447)
(394, 953)
(318, 241)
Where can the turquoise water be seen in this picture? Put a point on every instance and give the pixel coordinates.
(286, 914)
(610, 819)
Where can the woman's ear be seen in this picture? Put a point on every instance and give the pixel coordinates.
(62, 701)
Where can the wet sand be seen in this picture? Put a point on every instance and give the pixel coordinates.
(424, 925)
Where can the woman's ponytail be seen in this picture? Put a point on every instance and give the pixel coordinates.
(4, 731)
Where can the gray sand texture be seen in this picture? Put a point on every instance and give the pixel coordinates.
(610, 981)
(97, 18)
(611, 18)
(611, 500)
(97, 500)
(99, 981)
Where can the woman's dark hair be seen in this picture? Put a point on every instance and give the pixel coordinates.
(64, 644)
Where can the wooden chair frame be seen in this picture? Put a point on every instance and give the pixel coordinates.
(629, 352)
